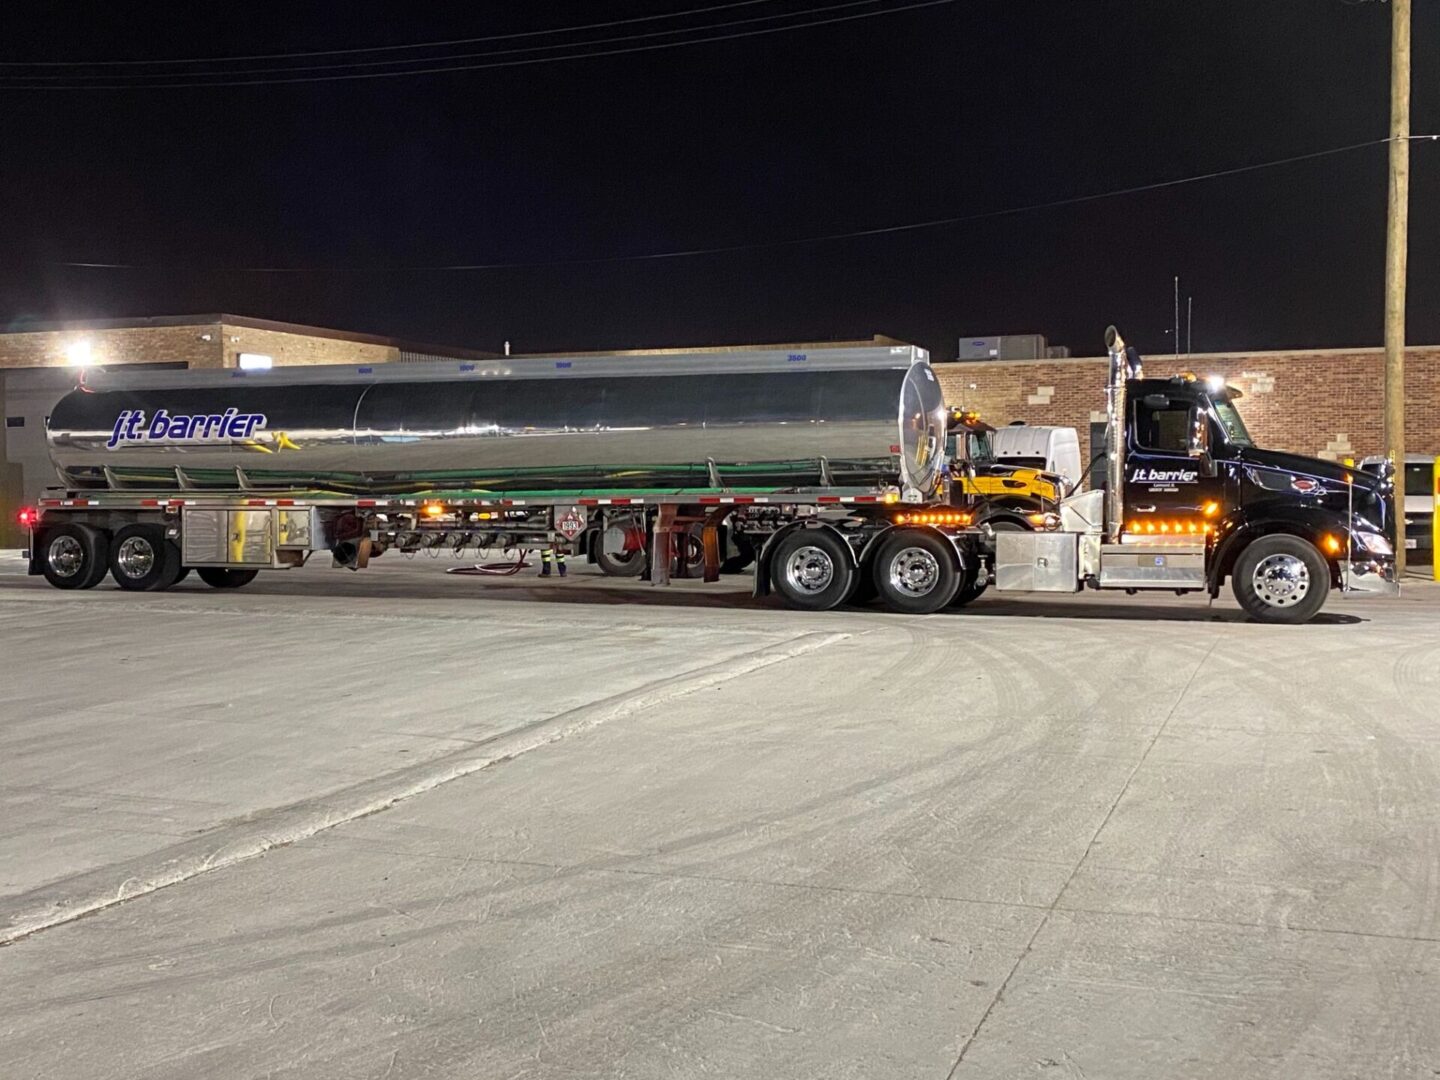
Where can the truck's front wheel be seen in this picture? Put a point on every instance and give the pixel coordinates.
(1281, 579)
(812, 569)
(73, 556)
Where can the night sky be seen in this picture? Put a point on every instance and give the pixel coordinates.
(956, 109)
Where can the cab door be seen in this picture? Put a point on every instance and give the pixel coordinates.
(1169, 490)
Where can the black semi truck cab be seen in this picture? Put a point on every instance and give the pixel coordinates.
(1281, 527)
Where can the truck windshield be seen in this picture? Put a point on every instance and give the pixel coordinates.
(1231, 421)
(980, 450)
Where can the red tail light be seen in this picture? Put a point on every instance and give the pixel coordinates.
(29, 517)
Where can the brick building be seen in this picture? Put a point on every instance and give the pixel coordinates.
(1319, 402)
(205, 341)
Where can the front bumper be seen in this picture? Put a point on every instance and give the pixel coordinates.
(1368, 578)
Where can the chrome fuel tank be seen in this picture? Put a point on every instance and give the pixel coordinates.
(520, 423)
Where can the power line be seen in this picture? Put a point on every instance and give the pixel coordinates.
(760, 245)
(432, 60)
(895, 10)
(385, 48)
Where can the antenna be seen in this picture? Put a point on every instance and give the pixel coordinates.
(1189, 323)
(1177, 316)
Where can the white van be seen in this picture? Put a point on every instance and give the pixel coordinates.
(1053, 449)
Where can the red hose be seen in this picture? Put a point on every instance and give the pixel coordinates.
(493, 569)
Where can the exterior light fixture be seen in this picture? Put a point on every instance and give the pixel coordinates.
(77, 353)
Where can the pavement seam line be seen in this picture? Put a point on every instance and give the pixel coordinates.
(71, 898)
(1054, 904)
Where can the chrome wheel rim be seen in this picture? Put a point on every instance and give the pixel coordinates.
(135, 557)
(914, 572)
(1281, 580)
(809, 570)
(65, 556)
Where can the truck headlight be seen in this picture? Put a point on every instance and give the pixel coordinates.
(1374, 543)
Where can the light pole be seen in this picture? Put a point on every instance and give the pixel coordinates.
(1397, 222)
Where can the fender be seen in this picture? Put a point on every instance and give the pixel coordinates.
(762, 560)
(1010, 510)
(1236, 531)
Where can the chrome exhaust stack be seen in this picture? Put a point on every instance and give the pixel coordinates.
(1124, 365)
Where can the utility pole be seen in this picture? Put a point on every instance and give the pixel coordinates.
(1177, 317)
(1397, 225)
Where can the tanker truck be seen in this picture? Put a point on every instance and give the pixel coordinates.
(828, 466)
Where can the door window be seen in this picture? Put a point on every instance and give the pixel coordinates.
(1166, 429)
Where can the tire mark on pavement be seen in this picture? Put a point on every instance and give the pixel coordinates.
(254, 834)
(1050, 910)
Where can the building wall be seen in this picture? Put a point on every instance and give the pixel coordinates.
(202, 345)
(292, 349)
(1323, 402)
(145, 344)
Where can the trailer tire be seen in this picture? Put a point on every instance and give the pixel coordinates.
(1281, 578)
(74, 556)
(630, 564)
(742, 559)
(915, 572)
(142, 560)
(218, 577)
(812, 569)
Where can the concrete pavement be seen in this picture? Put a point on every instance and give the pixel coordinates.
(1055, 839)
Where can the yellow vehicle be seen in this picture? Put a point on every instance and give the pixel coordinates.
(1005, 496)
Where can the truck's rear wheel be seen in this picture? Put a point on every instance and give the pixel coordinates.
(812, 569)
(218, 577)
(74, 556)
(971, 588)
(1281, 579)
(915, 572)
(142, 560)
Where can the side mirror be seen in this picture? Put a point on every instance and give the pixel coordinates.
(1199, 443)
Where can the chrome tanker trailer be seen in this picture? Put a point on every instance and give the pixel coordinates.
(637, 460)
(827, 467)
